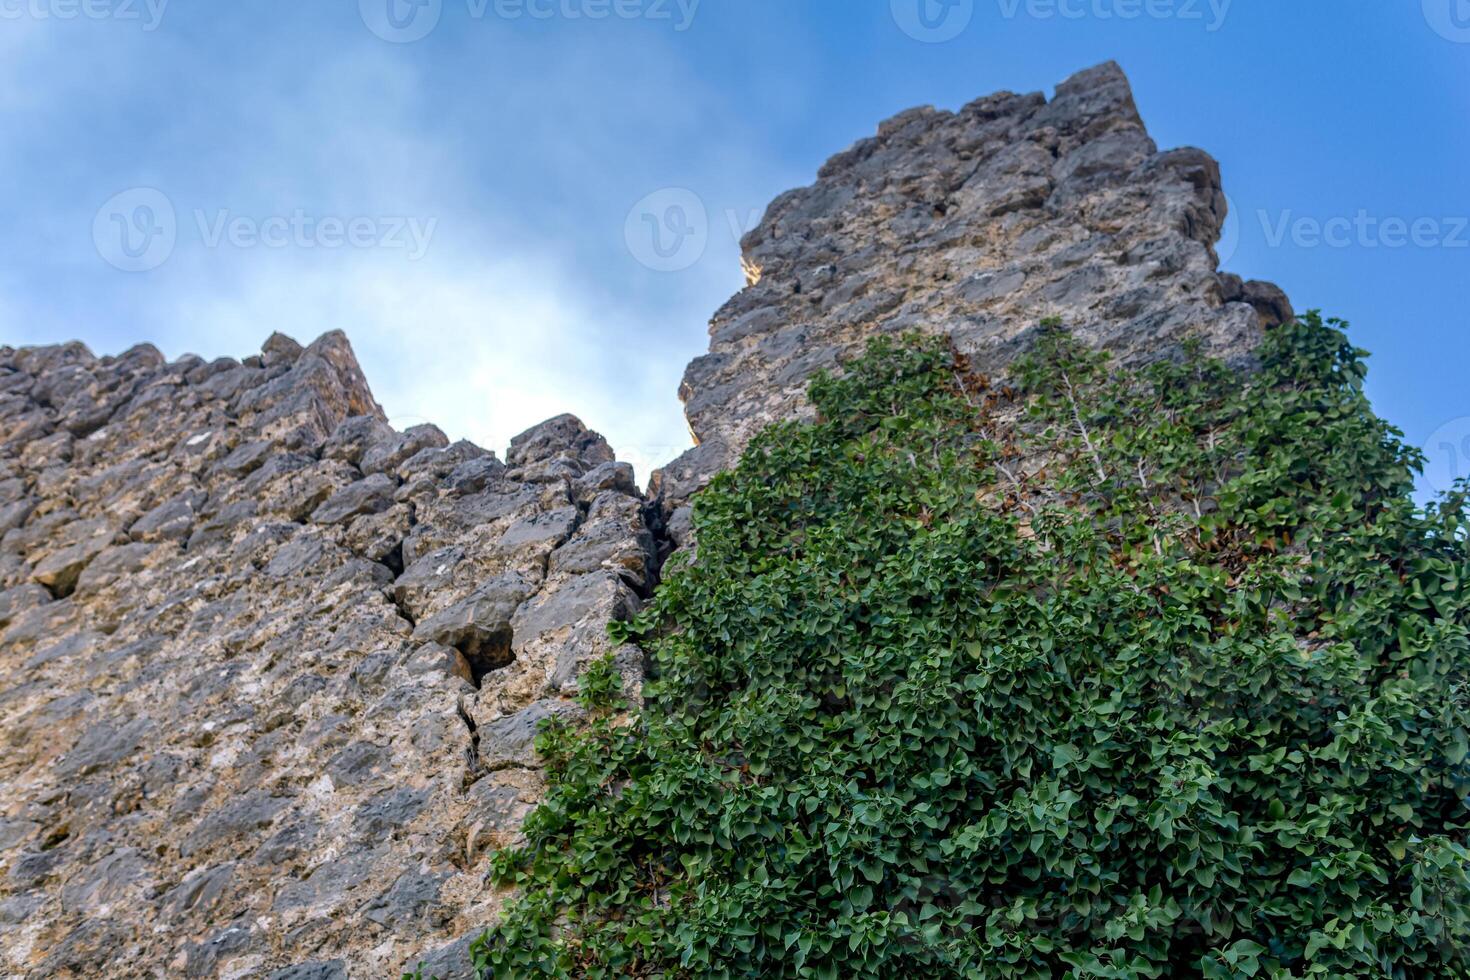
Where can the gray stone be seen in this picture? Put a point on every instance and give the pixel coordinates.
(448, 962)
(357, 762)
(355, 436)
(379, 537)
(413, 896)
(15, 513)
(548, 529)
(286, 844)
(387, 456)
(479, 626)
(85, 643)
(510, 741)
(105, 744)
(280, 349)
(114, 564)
(247, 814)
(29, 869)
(613, 475)
(220, 525)
(204, 958)
(388, 811)
(19, 599)
(60, 570)
(372, 495)
(475, 475)
(19, 908)
(296, 557)
(573, 603)
(247, 457)
(330, 884)
(613, 542)
(428, 576)
(199, 892)
(562, 438)
(315, 970)
(436, 658)
(435, 462)
(172, 520)
(1269, 302)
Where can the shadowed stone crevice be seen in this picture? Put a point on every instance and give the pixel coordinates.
(404, 613)
(663, 545)
(472, 750)
(486, 652)
(393, 560)
(59, 590)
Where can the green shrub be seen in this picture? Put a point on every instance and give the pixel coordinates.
(1126, 673)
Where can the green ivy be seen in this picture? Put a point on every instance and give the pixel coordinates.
(1118, 673)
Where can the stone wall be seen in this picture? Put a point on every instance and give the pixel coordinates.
(270, 670)
(978, 224)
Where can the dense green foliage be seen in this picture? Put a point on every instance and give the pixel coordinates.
(1119, 674)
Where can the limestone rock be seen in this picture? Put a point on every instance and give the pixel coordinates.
(256, 649)
(977, 224)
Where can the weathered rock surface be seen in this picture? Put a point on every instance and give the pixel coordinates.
(979, 224)
(270, 670)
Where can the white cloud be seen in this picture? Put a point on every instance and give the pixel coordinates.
(526, 305)
(482, 348)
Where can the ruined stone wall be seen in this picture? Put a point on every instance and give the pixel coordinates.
(977, 224)
(270, 670)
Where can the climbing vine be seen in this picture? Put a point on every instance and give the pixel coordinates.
(1113, 673)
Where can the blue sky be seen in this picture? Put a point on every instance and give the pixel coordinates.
(460, 203)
